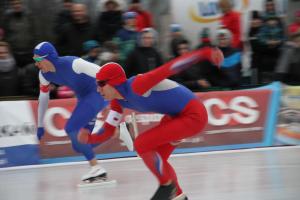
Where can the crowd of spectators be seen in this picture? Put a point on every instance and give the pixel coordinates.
(128, 36)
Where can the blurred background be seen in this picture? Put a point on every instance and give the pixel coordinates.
(262, 37)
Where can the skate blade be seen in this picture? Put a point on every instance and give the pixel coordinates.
(98, 183)
(126, 137)
(180, 197)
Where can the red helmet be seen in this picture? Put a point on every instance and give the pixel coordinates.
(112, 73)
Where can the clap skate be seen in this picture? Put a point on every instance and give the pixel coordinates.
(180, 197)
(168, 192)
(125, 136)
(97, 176)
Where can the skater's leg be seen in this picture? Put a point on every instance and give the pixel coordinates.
(83, 119)
(170, 183)
(154, 146)
(87, 151)
(78, 120)
(165, 152)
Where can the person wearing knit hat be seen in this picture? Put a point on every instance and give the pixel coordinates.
(126, 37)
(79, 75)
(145, 55)
(152, 92)
(204, 38)
(176, 35)
(222, 35)
(230, 69)
(129, 15)
(92, 51)
(175, 28)
(90, 44)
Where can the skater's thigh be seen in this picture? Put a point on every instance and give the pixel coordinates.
(170, 130)
(84, 114)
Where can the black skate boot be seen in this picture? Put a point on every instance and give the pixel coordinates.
(165, 192)
(168, 192)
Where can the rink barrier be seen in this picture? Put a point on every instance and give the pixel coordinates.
(237, 120)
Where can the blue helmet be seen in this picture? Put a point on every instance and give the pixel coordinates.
(47, 50)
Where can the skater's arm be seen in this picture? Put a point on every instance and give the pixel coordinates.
(144, 82)
(43, 99)
(112, 121)
(82, 66)
(42, 105)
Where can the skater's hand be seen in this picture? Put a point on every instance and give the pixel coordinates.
(40, 132)
(217, 57)
(83, 137)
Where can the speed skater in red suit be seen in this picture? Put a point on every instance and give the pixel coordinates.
(152, 92)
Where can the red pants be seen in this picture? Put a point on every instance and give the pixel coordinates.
(154, 146)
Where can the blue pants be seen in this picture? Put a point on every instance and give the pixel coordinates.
(84, 116)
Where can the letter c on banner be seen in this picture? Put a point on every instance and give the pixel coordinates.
(224, 119)
(48, 121)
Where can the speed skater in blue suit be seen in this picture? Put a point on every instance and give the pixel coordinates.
(78, 75)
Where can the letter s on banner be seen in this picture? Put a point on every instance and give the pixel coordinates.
(243, 114)
(48, 121)
(251, 115)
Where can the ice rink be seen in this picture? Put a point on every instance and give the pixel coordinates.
(254, 174)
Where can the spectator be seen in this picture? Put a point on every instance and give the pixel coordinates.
(64, 16)
(256, 23)
(287, 68)
(270, 11)
(126, 38)
(231, 67)
(271, 37)
(176, 37)
(183, 47)
(92, 50)
(19, 32)
(72, 35)
(144, 18)
(8, 72)
(109, 21)
(294, 28)
(204, 38)
(110, 53)
(144, 57)
(195, 78)
(231, 20)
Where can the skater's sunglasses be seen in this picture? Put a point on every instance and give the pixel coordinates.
(39, 59)
(102, 83)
